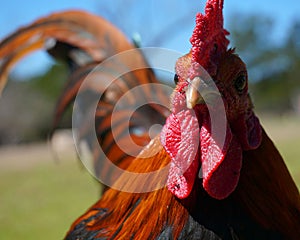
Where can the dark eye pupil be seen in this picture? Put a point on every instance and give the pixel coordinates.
(176, 78)
(240, 83)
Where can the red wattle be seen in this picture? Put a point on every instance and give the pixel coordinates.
(221, 161)
(221, 156)
(222, 181)
(180, 138)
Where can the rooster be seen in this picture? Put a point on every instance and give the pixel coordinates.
(209, 182)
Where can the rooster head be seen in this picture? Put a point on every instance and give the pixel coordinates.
(212, 121)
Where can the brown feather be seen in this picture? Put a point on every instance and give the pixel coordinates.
(94, 35)
(99, 39)
(273, 204)
(268, 192)
(132, 212)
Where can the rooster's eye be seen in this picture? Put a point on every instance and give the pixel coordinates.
(240, 83)
(176, 79)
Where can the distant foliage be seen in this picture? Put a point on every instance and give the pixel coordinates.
(273, 64)
(27, 106)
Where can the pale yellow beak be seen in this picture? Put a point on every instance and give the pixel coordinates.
(199, 92)
(193, 96)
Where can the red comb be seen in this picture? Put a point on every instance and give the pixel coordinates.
(209, 38)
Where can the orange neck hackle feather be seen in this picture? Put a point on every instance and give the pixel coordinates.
(266, 192)
(143, 215)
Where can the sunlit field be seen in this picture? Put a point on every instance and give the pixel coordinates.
(41, 195)
(40, 199)
(285, 133)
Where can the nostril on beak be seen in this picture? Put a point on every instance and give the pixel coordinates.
(199, 92)
(193, 95)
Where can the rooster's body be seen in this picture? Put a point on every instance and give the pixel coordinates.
(160, 215)
(261, 207)
(245, 190)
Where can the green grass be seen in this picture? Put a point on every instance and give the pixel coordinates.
(43, 201)
(285, 133)
(290, 150)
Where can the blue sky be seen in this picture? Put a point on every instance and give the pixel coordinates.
(15, 13)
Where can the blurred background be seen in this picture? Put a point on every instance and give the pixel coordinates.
(43, 186)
